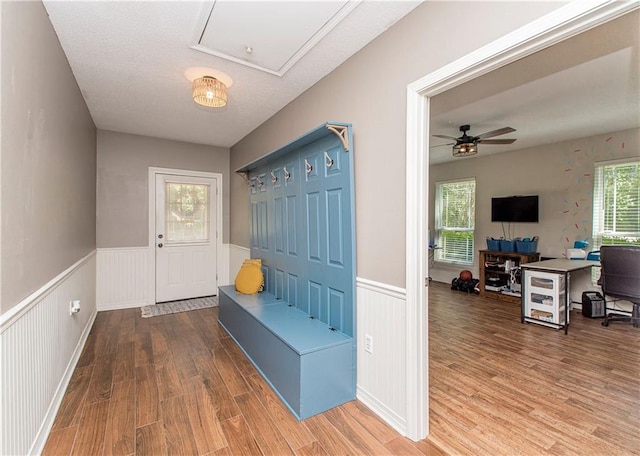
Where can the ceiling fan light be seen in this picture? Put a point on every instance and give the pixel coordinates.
(465, 149)
(209, 92)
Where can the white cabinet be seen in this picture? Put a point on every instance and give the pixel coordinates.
(545, 296)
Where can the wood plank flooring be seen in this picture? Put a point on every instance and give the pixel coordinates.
(178, 385)
(500, 387)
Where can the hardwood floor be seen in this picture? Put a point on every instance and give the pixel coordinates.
(501, 387)
(178, 385)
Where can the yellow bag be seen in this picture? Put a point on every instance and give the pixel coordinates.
(250, 279)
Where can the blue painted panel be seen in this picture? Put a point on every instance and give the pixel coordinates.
(263, 225)
(280, 223)
(333, 161)
(276, 178)
(313, 227)
(253, 187)
(311, 165)
(290, 169)
(335, 228)
(267, 272)
(291, 225)
(336, 309)
(301, 333)
(261, 180)
(328, 379)
(254, 224)
(292, 289)
(278, 285)
(314, 299)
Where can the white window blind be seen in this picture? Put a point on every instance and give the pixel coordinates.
(455, 221)
(616, 204)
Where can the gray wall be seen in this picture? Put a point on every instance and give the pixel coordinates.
(369, 90)
(48, 181)
(123, 195)
(561, 174)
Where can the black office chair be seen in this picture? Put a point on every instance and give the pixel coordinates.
(620, 279)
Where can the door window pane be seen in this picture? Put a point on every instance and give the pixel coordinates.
(187, 213)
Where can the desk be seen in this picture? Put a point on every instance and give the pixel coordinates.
(545, 286)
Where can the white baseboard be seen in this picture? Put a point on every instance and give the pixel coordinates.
(40, 343)
(384, 412)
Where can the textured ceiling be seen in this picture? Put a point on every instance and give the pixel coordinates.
(130, 59)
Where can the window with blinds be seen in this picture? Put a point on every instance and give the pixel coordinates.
(455, 221)
(616, 204)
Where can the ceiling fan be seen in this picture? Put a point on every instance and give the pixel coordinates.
(467, 145)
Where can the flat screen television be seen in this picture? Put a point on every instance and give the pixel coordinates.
(519, 209)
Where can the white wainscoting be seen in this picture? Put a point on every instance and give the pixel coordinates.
(381, 309)
(40, 343)
(123, 274)
(122, 278)
(237, 255)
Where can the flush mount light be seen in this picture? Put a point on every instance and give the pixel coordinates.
(210, 92)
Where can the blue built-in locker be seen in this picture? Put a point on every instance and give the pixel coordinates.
(302, 226)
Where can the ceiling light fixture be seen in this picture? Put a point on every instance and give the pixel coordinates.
(209, 92)
(465, 149)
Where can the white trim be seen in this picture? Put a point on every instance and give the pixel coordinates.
(619, 161)
(563, 23)
(47, 423)
(383, 288)
(13, 314)
(153, 171)
(389, 416)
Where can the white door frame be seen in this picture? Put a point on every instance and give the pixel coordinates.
(153, 171)
(565, 22)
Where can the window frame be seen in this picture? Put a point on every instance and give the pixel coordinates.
(599, 203)
(440, 253)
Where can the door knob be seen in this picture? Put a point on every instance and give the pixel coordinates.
(160, 245)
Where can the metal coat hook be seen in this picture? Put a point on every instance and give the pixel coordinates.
(329, 159)
(274, 178)
(287, 174)
(260, 182)
(308, 166)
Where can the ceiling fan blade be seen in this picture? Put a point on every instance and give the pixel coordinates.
(445, 137)
(496, 141)
(440, 145)
(498, 132)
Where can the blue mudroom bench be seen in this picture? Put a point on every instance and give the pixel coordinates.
(300, 332)
(307, 363)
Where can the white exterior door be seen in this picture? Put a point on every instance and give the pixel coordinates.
(185, 237)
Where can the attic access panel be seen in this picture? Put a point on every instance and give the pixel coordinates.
(278, 33)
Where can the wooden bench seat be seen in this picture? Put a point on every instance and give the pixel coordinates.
(309, 365)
